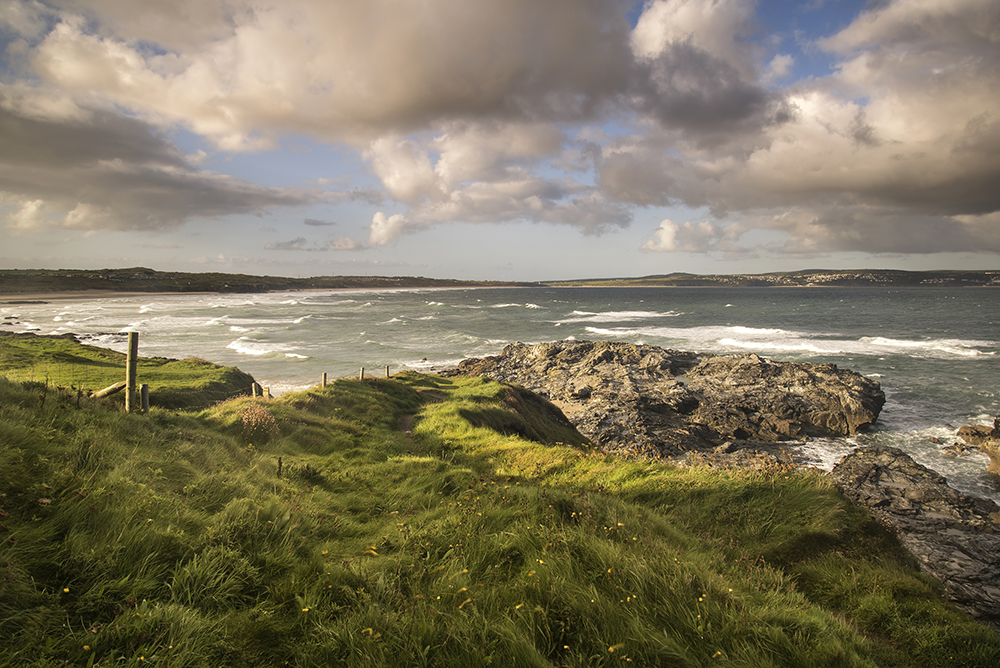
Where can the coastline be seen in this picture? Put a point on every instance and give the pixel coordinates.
(15, 298)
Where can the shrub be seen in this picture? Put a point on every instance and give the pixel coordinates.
(259, 425)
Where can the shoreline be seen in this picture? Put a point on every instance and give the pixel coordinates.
(16, 298)
(25, 298)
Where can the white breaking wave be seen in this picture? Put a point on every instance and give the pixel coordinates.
(247, 346)
(616, 316)
(735, 338)
(947, 346)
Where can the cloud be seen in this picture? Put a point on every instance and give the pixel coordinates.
(899, 148)
(312, 222)
(689, 237)
(551, 112)
(386, 228)
(240, 72)
(293, 245)
(66, 165)
(483, 173)
(344, 244)
(302, 244)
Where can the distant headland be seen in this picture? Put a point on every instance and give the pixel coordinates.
(141, 279)
(803, 279)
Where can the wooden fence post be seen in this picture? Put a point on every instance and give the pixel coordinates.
(132, 361)
(324, 379)
(361, 376)
(144, 393)
(255, 390)
(386, 370)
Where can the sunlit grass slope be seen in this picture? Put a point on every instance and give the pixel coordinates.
(61, 361)
(424, 521)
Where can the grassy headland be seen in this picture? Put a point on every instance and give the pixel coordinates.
(141, 279)
(61, 362)
(426, 521)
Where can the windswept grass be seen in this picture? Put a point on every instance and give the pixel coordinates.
(425, 521)
(59, 361)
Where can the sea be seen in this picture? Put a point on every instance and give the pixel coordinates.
(935, 351)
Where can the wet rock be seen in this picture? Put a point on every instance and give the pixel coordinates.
(646, 401)
(955, 537)
(985, 438)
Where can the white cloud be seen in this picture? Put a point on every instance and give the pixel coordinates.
(386, 228)
(669, 237)
(715, 27)
(29, 216)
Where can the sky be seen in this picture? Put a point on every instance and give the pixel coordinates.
(499, 139)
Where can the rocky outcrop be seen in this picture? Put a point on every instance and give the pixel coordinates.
(955, 537)
(985, 438)
(645, 401)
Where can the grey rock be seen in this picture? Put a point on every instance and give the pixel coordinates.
(955, 537)
(648, 402)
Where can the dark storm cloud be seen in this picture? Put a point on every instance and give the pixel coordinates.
(96, 168)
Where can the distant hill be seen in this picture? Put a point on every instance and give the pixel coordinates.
(141, 279)
(805, 278)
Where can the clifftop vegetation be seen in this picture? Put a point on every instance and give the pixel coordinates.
(424, 520)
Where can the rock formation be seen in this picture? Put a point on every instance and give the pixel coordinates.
(955, 537)
(985, 438)
(645, 401)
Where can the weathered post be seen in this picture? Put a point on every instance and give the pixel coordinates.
(324, 379)
(386, 370)
(255, 390)
(361, 376)
(144, 393)
(132, 361)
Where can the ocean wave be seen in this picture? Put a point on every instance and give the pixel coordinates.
(617, 316)
(247, 346)
(738, 337)
(949, 347)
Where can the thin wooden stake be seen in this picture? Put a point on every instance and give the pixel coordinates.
(324, 379)
(132, 361)
(144, 393)
(386, 370)
(362, 374)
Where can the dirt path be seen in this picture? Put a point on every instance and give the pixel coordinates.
(405, 424)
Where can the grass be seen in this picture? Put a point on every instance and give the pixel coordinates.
(60, 361)
(425, 521)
